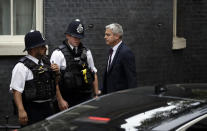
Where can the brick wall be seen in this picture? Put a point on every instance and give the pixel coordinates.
(147, 30)
(6, 108)
(192, 24)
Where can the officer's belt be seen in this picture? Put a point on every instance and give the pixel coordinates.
(42, 101)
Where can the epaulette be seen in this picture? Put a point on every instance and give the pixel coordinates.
(61, 47)
(23, 59)
(27, 62)
(87, 49)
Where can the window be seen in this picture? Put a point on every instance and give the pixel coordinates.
(17, 17)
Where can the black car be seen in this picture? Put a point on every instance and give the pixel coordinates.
(177, 107)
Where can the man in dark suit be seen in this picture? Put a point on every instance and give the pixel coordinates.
(120, 72)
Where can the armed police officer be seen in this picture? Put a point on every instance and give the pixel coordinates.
(33, 81)
(79, 80)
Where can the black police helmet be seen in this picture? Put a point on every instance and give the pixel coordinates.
(33, 39)
(75, 29)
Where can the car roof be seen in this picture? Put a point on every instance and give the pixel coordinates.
(139, 108)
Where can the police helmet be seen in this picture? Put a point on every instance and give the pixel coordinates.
(75, 29)
(33, 39)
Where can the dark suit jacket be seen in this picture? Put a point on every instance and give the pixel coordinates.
(122, 72)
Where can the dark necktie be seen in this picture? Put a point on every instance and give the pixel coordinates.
(110, 54)
(39, 62)
(75, 50)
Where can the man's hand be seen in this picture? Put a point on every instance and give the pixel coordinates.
(62, 104)
(98, 94)
(55, 68)
(23, 119)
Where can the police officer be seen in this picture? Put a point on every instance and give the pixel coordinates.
(33, 81)
(79, 80)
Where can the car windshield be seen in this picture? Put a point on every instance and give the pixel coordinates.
(181, 104)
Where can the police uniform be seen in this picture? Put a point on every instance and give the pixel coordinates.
(75, 86)
(34, 79)
(58, 58)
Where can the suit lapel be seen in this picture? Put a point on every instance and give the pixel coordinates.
(115, 58)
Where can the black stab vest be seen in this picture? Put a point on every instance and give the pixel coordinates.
(42, 86)
(72, 78)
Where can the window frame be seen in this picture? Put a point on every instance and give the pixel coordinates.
(177, 42)
(14, 44)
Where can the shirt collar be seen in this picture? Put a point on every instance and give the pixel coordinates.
(116, 46)
(33, 58)
(71, 46)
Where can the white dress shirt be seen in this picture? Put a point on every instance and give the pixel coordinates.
(58, 58)
(20, 74)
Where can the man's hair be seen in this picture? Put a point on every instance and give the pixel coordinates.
(116, 29)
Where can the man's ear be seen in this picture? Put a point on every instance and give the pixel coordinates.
(67, 36)
(117, 36)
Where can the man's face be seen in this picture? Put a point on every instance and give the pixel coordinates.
(73, 40)
(40, 51)
(111, 39)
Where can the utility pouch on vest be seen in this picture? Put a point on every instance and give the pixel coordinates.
(79, 80)
(29, 92)
(68, 79)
